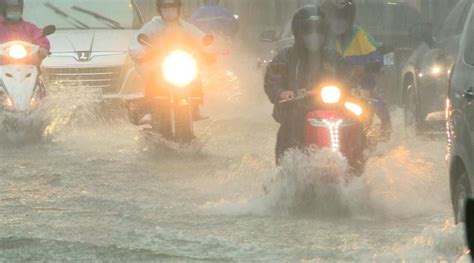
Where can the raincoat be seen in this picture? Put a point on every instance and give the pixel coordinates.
(24, 31)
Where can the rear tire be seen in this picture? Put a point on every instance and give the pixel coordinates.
(461, 192)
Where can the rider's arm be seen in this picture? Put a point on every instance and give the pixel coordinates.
(136, 50)
(276, 77)
(37, 35)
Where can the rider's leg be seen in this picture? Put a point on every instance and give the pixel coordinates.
(382, 112)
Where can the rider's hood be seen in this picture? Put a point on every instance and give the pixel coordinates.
(70, 41)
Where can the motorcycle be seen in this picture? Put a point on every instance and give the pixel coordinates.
(341, 121)
(176, 92)
(22, 91)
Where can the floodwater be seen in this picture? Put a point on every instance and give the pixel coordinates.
(98, 190)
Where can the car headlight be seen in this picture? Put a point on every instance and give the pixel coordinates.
(179, 68)
(17, 52)
(354, 108)
(436, 70)
(331, 94)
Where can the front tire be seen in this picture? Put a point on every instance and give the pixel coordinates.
(184, 124)
(461, 192)
(411, 112)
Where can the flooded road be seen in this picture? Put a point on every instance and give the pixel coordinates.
(101, 193)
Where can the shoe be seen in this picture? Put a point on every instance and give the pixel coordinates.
(146, 119)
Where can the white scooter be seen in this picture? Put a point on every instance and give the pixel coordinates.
(21, 89)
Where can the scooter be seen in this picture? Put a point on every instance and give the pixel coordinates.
(340, 121)
(173, 92)
(22, 91)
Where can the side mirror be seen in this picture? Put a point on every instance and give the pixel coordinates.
(49, 30)
(423, 32)
(208, 40)
(268, 36)
(144, 40)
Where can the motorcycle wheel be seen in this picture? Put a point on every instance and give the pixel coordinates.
(184, 124)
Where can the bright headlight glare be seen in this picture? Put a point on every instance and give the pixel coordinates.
(17, 52)
(7, 102)
(179, 68)
(354, 108)
(436, 70)
(331, 94)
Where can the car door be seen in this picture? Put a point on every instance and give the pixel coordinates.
(461, 95)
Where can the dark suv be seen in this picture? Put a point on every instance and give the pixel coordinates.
(460, 113)
(425, 75)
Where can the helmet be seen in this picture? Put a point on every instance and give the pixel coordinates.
(165, 9)
(309, 28)
(7, 4)
(168, 4)
(306, 20)
(339, 10)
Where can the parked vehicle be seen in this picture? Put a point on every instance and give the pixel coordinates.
(460, 121)
(91, 45)
(425, 75)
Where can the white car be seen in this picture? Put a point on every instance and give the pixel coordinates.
(90, 47)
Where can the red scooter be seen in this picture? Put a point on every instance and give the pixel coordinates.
(340, 121)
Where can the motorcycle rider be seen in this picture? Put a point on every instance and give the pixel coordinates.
(166, 26)
(358, 48)
(14, 27)
(296, 70)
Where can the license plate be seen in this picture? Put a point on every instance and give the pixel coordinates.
(389, 59)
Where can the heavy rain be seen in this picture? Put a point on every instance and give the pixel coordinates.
(122, 140)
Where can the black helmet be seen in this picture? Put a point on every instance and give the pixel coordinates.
(307, 20)
(339, 9)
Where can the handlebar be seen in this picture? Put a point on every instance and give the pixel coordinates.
(301, 95)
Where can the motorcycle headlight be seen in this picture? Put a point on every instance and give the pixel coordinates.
(354, 108)
(179, 68)
(331, 94)
(17, 52)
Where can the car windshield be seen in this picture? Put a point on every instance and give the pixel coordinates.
(393, 17)
(81, 14)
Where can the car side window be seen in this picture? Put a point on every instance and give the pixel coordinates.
(451, 24)
(469, 44)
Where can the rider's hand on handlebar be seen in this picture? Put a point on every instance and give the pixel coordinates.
(43, 53)
(287, 95)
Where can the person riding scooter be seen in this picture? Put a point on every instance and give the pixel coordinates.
(13, 27)
(168, 27)
(358, 48)
(298, 69)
